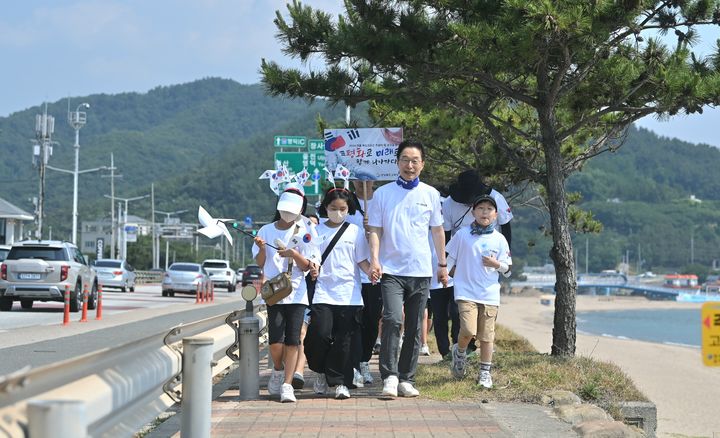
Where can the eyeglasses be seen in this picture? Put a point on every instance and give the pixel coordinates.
(407, 161)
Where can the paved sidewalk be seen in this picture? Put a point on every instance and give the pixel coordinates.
(367, 413)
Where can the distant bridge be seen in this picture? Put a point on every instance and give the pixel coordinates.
(604, 284)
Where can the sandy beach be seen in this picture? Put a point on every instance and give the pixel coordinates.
(686, 393)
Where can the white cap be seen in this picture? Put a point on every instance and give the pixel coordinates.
(291, 202)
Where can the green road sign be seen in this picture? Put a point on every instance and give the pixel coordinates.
(316, 145)
(314, 162)
(290, 141)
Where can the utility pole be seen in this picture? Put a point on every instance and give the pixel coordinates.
(44, 128)
(113, 223)
(152, 221)
(123, 248)
(77, 120)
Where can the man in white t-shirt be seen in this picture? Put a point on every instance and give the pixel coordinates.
(457, 208)
(402, 215)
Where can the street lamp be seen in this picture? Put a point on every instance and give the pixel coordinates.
(77, 120)
(124, 233)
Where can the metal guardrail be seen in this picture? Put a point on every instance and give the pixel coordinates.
(144, 277)
(120, 389)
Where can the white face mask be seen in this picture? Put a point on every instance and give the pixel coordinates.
(287, 216)
(337, 216)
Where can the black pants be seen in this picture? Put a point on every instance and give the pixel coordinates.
(328, 341)
(444, 310)
(365, 337)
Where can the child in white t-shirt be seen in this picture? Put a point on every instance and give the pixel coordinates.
(477, 254)
(337, 303)
(274, 251)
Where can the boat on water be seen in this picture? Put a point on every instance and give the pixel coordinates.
(707, 293)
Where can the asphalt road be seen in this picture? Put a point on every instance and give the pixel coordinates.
(37, 337)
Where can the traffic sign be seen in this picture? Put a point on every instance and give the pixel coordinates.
(710, 321)
(295, 162)
(290, 141)
(248, 222)
(316, 145)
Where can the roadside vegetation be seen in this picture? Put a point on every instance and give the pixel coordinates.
(522, 374)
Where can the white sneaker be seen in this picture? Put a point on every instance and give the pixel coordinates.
(390, 386)
(276, 380)
(342, 392)
(358, 379)
(459, 360)
(406, 389)
(320, 385)
(298, 381)
(485, 379)
(287, 393)
(365, 371)
(425, 350)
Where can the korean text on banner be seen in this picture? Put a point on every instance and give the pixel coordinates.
(369, 153)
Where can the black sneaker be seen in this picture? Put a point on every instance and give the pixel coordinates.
(298, 381)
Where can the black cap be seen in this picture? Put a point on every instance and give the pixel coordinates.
(485, 198)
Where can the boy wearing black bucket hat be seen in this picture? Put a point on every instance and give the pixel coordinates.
(477, 254)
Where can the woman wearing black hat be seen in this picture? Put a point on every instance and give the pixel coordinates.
(456, 209)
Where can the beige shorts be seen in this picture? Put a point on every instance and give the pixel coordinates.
(477, 320)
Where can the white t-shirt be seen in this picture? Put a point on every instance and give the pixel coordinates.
(274, 263)
(357, 219)
(339, 280)
(405, 217)
(474, 281)
(456, 215)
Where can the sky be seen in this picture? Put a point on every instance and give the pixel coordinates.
(53, 49)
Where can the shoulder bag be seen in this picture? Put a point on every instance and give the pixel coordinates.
(280, 286)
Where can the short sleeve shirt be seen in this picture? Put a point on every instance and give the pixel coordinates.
(474, 281)
(338, 282)
(405, 217)
(274, 263)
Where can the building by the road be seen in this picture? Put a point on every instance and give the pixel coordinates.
(12, 219)
(91, 231)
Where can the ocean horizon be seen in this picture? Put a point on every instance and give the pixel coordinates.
(663, 326)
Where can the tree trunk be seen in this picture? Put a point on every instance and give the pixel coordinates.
(564, 324)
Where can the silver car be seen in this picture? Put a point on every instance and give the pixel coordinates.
(221, 274)
(115, 273)
(184, 278)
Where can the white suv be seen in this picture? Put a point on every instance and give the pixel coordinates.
(40, 270)
(220, 273)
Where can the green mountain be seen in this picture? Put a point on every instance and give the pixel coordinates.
(201, 142)
(206, 143)
(658, 200)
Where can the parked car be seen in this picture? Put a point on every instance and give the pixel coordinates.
(221, 274)
(251, 273)
(184, 278)
(40, 270)
(115, 273)
(4, 250)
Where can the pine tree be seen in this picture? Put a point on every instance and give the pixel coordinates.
(552, 83)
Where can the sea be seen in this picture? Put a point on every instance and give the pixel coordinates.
(666, 326)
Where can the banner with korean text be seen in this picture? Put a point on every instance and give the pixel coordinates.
(369, 153)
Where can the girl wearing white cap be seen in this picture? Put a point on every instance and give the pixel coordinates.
(285, 318)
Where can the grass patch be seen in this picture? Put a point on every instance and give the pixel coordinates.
(521, 374)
